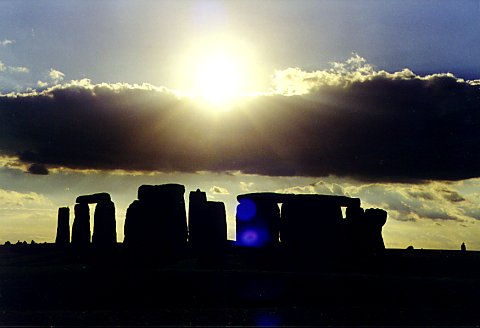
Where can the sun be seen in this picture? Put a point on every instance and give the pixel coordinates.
(217, 71)
(219, 79)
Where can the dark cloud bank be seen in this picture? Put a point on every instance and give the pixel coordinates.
(383, 127)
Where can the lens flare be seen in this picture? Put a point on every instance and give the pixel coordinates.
(250, 238)
(246, 210)
(253, 237)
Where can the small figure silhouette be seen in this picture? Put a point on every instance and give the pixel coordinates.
(463, 247)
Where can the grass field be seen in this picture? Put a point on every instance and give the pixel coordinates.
(43, 285)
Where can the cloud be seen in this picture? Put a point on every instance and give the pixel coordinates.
(246, 186)
(297, 190)
(320, 187)
(12, 162)
(349, 120)
(6, 42)
(42, 84)
(13, 200)
(18, 69)
(435, 201)
(56, 76)
(13, 69)
(219, 190)
(38, 169)
(25, 215)
(452, 196)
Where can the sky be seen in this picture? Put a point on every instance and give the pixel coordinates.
(372, 99)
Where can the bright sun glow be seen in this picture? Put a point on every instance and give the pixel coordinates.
(217, 71)
(219, 79)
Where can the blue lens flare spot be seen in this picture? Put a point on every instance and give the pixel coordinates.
(253, 237)
(249, 238)
(246, 210)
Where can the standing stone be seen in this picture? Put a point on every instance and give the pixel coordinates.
(307, 221)
(134, 225)
(364, 229)
(311, 225)
(104, 227)
(375, 218)
(196, 216)
(157, 221)
(167, 209)
(81, 226)
(216, 232)
(355, 229)
(257, 222)
(207, 224)
(63, 226)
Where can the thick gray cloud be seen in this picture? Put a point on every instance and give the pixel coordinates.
(39, 169)
(360, 123)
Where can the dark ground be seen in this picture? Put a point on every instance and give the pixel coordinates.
(43, 285)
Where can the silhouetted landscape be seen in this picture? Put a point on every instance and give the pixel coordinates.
(296, 261)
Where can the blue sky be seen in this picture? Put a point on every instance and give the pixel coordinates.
(141, 41)
(352, 98)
